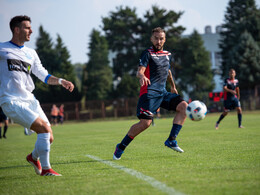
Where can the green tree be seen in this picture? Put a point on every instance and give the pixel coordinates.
(55, 58)
(97, 80)
(122, 33)
(241, 16)
(247, 53)
(194, 74)
(128, 87)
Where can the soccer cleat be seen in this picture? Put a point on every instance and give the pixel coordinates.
(241, 127)
(173, 145)
(28, 131)
(216, 126)
(118, 153)
(49, 172)
(35, 163)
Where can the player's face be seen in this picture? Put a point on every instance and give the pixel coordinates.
(232, 74)
(25, 31)
(158, 39)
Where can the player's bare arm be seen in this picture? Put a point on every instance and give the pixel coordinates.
(170, 80)
(143, 80)
(230, 90)
(238, 92)
(59, 81)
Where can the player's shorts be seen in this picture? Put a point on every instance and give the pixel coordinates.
(3, 117)
(148, 105)
(24, 112)
(231, 104)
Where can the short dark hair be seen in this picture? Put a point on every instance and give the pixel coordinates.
(17, 20)
(158, 29)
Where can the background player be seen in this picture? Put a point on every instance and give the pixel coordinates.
(153, 72)
(3, 119)
(17, 62)
(231, 98)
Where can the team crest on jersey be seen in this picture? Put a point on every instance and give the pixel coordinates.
(18, 65)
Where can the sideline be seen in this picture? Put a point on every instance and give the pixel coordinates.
(153, 182)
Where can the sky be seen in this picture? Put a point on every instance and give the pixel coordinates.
(74, 20)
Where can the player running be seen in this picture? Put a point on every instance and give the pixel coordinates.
(231, 98)
(153, 72)
(17, 62)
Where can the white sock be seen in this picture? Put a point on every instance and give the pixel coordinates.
(35, 154)
(43, 147)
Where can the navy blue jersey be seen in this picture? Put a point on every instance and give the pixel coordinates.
(231, 84)
(157, 65)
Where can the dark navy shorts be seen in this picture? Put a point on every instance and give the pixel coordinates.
(3, 117)
(148, 105)
(231, 104)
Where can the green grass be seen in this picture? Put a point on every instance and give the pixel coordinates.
(226, 161)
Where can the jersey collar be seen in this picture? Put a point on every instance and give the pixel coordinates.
(16, 45)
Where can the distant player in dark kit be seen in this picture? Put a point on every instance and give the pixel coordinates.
(231, 98)
(3, 119)
(153, 71)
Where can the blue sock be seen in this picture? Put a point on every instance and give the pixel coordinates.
(239, 116)
(125, 142)
(175, 131)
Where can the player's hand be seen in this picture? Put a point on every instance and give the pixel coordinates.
(144, 81)
(68, 85)
(233, 92)
(174, 90)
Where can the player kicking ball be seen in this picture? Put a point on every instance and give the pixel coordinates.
(153, 71)
(231, 98)
(17, 62)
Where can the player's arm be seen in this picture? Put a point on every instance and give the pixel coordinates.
(143, 80)
(229, 90)
(238, 92)
(52, 80)
(170, 80)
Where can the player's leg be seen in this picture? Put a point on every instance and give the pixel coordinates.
(221, 117)
(145, 116)
(239, 112)
(132, 133)
(0, 129)
(227, 107)
(176, 103)
(42, 146)
(5, 127)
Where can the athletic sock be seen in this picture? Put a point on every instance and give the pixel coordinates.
(0, 132)
(239, 116)
(175, 131)
(220, 118)
(42, 147)
(5, 130)
(125, 142)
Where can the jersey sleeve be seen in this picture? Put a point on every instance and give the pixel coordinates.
(144, 59)
(37, 68)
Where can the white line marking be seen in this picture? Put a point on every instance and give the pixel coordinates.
(153, 182)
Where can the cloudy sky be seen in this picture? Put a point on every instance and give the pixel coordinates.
(73, 20)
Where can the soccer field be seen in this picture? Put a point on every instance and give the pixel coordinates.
(224, 161)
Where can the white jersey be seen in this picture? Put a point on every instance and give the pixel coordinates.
(16, 65)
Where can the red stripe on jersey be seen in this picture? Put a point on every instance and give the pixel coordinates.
(225, 95)
(143, 89)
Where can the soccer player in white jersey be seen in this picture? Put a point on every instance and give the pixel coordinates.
(17, 62)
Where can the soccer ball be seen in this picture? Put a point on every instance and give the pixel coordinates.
(196, 110)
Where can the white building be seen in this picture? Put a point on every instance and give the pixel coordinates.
(211, 43)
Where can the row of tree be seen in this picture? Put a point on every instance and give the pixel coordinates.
(114, 54)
